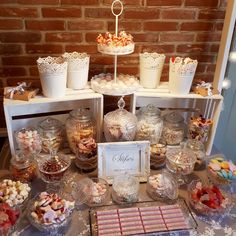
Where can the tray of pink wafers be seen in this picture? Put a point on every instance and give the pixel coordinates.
(143, 218)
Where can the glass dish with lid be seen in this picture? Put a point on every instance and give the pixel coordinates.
(173, 131)
(120, 125)
(51, 134)
(150, 124)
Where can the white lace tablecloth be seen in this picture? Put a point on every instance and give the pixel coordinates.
(80, 225)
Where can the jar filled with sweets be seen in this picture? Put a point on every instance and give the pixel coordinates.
(120, 125)
(150, 124)
(81, 131)
(173, 131)
(23, 168)
(199, 150)
(51, 134)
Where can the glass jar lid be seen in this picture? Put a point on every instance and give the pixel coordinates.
(121, 116)
(174, 118)
(20, 161)
(150, 110)
(195, 145)
(81, 114)
(50, 124)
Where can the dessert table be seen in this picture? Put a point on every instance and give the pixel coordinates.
(80, 223)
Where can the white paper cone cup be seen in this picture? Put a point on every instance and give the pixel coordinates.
(78, 68)
(151, 65)
(181, 84)
(53, 76)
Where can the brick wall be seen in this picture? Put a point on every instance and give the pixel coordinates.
(33, 28)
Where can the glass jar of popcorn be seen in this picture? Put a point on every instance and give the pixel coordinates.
(81, 132)
(51, 134)
(149, 125)
(173, 131)
(120, 125)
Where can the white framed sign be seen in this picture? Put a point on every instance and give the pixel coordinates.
(118, 158)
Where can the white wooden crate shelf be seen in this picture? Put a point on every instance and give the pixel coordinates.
(20, 114)
(210, 107)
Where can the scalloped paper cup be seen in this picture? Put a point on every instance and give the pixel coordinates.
(53, 75)
(78, 68)
(151, 65)
(181, 75)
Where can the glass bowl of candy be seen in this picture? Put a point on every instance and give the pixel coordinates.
(125, 189)
(53, 168)
(28, 140)
(162, 186)
(14, 193)
(9, 218)
(180, 161)
(50, 211)
(207, 199)
(97, 191)
(157, 155)
(221, 171)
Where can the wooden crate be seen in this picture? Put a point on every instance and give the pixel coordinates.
(20, 114)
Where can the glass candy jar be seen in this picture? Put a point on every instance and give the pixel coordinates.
(173, 131)
(51, 134)
(120, 125)
(199, 150)
(23, 168)
(149, 125)
(80, 129)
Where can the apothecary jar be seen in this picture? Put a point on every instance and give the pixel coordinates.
(173, 130)
(81, 134)
(150, 124)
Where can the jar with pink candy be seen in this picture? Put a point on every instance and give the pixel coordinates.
(28, 141)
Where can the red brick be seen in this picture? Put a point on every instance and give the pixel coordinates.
(211, 68)
(158, 48)
(128, 70)
(81, 48)
(202, 57)
(43, 48)
(45, 25)
(208, 37)
(215, 48)
(10, 24)
(211, 15)
(63, 37)
(8, 1)
(177, 14)
(19, 60)
(91, 37)
(21, 37)
(142, 13)
(198, 26)
(186, 48)
(223, 3)
(102, 60)
(176, 37)
(201, 3)
(85, 25)
(33, 80)
(148, 37)
(98, 13)
(18, 12)
(201, 68)
(61, 12)
(128, 60)
(164, 2)
(39, 2)
(8, 49)
(80, 2)
(125, 2)
(12, 71)
(34, 71)
(128, 26)
(207, 77)
(219, 26)
(160, 26)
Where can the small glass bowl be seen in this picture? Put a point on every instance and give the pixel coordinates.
(220, 171)
(97, 191)
(20, 205)
(162, 187)
(125, 189)
(53, 168)
(196, 190)
(14, 215)
(158, 156)
(29, 141)
(50, 227)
